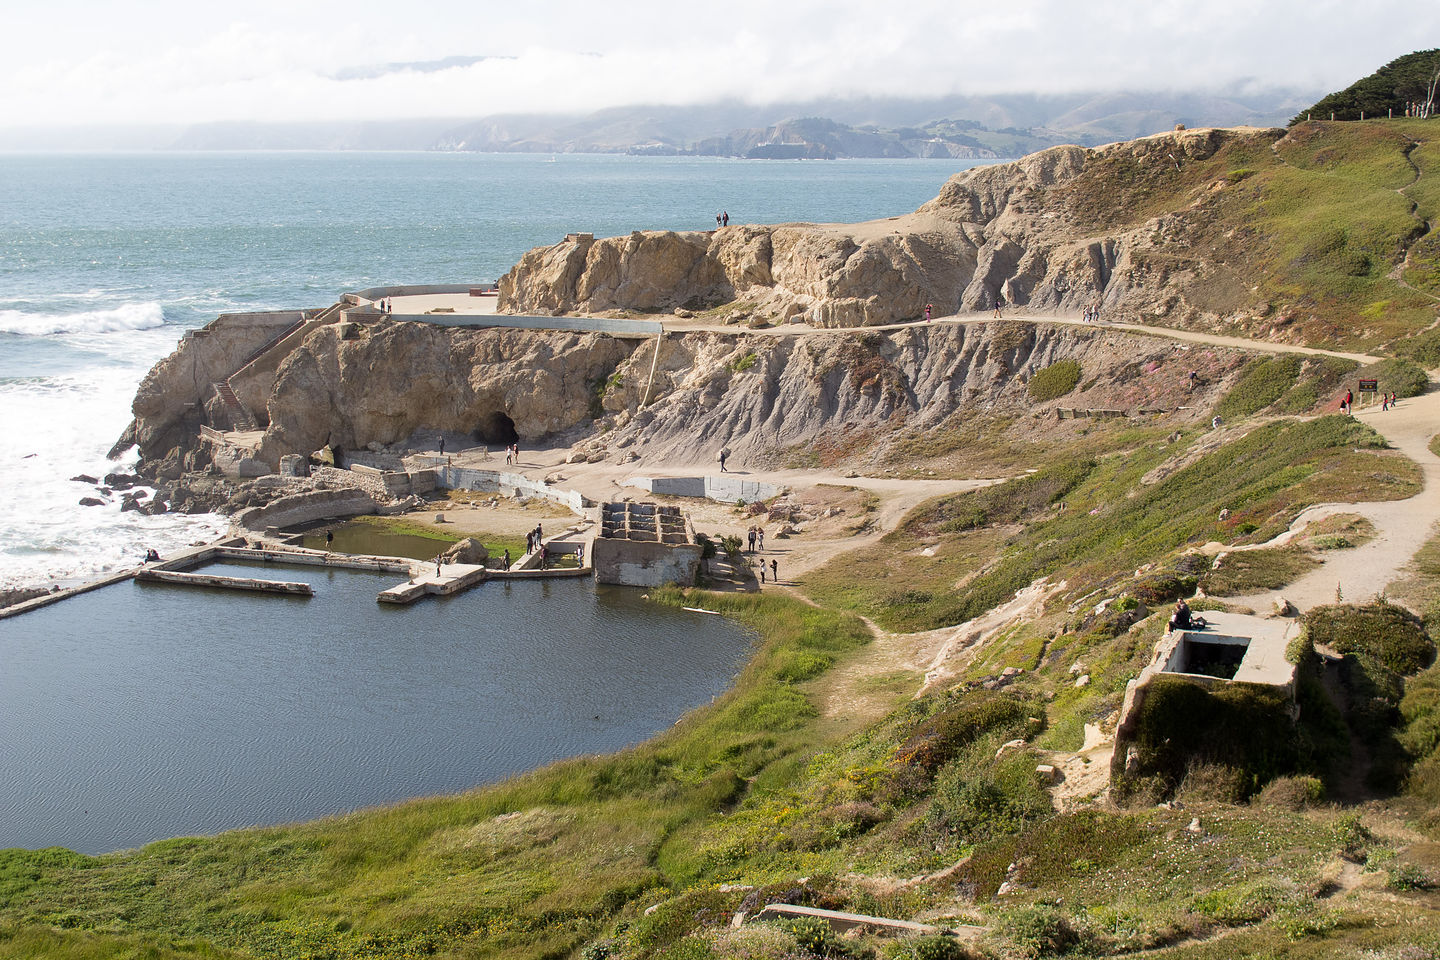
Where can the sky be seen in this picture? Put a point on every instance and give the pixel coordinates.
(75, 62)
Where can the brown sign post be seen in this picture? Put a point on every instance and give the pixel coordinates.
(1369, 386)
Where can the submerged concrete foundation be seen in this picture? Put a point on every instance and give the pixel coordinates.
(644, 545)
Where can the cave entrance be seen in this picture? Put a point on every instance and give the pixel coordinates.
(496, 430)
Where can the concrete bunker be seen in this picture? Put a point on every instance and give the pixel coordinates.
(496, 429)
(1231, 653)
(644, 545)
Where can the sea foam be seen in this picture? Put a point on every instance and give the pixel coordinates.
(129, 316)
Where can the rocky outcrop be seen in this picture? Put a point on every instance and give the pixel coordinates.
(396, 378)
(1127, 227)
(169, 405)
(832, 398)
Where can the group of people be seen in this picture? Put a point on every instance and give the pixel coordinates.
(1387, 400)
(383, 305)
(722, 219)
(757, 535)
(1091, 314)
(535, 538)
(512, 454)
(774, 571)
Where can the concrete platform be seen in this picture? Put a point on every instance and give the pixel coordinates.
(452, 578)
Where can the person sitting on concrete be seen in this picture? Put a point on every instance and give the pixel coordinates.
(152, 556)
(1180, 620)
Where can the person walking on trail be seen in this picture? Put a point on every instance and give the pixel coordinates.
(724, 452)
(928, 308)
(999, 305)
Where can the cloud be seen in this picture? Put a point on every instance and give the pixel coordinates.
(316, 63)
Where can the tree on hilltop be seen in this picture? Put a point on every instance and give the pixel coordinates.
(1407, 86)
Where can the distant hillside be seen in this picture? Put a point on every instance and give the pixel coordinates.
(1407, 87)
(1003, 125)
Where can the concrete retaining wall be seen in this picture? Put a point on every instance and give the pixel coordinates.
(722, 488)
(303, 508)
(644, 563)
(500, 481)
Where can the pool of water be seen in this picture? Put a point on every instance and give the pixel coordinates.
(143, 711)
(373, 540)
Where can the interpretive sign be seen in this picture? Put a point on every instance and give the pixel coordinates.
(1369, 386)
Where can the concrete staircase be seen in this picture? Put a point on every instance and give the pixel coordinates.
(240, 418)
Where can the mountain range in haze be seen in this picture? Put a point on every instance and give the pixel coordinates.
(980, 127)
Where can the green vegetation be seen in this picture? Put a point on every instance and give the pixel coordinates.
(741, 363)
(1248, 571)
(1392, 88)
(1388, 633)
(1054, 381)
(1264, 382)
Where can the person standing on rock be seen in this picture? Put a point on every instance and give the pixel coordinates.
(760, 535)
(717, 221)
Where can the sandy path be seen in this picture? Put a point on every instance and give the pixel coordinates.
(1401, 526)
(1189, 336)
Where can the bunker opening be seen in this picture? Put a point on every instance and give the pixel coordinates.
(496, 430)
(1208, 656)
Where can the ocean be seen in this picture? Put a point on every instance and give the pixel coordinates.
(106, 260)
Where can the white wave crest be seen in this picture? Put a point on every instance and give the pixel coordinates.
(129, 316)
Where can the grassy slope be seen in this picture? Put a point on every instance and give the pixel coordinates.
(1309, 230)
(755, 790)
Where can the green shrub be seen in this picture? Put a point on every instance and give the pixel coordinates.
(1054, 381)
(812, 935)
(1292, 793)
(931, 947)
(742, 363)
(1263, 382)
(939, 739)
(1391, 634)
(1405, 377)
(1038, 931)
(972, 803)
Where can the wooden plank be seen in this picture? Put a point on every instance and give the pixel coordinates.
(287, 587)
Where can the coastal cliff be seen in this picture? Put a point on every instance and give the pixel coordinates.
(1268, 233)
(1063, 229)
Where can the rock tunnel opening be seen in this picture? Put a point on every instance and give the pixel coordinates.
(496, 430)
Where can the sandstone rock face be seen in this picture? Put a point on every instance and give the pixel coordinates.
(398, 377)
(1064, 229)
(168, 406)
(785, 401)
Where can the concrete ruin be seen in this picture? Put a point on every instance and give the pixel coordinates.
(1231, 648)
(644, 545)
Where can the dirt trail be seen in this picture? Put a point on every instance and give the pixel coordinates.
(1401, 526)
